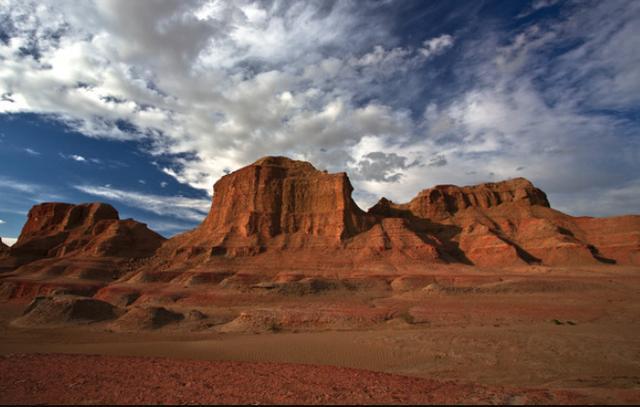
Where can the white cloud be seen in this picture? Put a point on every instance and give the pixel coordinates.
(2, 222)
(190, 209)
(9, 241)
(17, 195)
(20, 186)
(31, 152)
(83, 159)
(436, 46)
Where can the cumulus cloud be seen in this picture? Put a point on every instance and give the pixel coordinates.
(2, 222)
(212, 86)
(383, 167)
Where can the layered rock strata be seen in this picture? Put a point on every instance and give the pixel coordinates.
(274, 203)
(80, 247)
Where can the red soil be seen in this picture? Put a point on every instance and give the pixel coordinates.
(92, 379)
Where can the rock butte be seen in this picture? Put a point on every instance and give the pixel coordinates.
(279, 215)
(78, 242)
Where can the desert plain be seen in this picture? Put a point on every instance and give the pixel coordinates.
(290, 293)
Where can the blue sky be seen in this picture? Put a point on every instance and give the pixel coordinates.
(146, 104)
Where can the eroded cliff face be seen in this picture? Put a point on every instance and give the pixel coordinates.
(94, 230)
(511, 223)
(278, 196)
(275, 203)
(444, 201)
(279, 214)
(278, 204)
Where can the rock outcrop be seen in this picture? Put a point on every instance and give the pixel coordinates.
(444, 201)
(86, 243)
(275, 203)
(94, 230)
(511, 223)
(280, 215)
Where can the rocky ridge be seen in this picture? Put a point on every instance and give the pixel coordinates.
(281, 215)
(63, 244)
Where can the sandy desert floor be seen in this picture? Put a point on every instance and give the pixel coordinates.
(556, 336)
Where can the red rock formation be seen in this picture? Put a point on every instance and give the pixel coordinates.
(444, 201)
(278, 203)
(511, 223)
(281, 215)
(93, 230)
(86, 243)
(616, 238)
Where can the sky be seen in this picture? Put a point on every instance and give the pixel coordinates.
(145, 104)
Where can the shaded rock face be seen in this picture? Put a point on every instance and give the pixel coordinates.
(95, 230)
(511, 223)
(65, 309)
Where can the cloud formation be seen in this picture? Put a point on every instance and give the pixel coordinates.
(9, 241)
(171, 206)
(213, 85)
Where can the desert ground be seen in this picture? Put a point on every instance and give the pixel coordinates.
(457, 335)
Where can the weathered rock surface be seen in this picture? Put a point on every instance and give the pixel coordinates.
(145, 318)
(279, 215)
(274, 203)
(444, 201)
(80, 246)
(511, 223)
(290, 215)
(94, 230)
